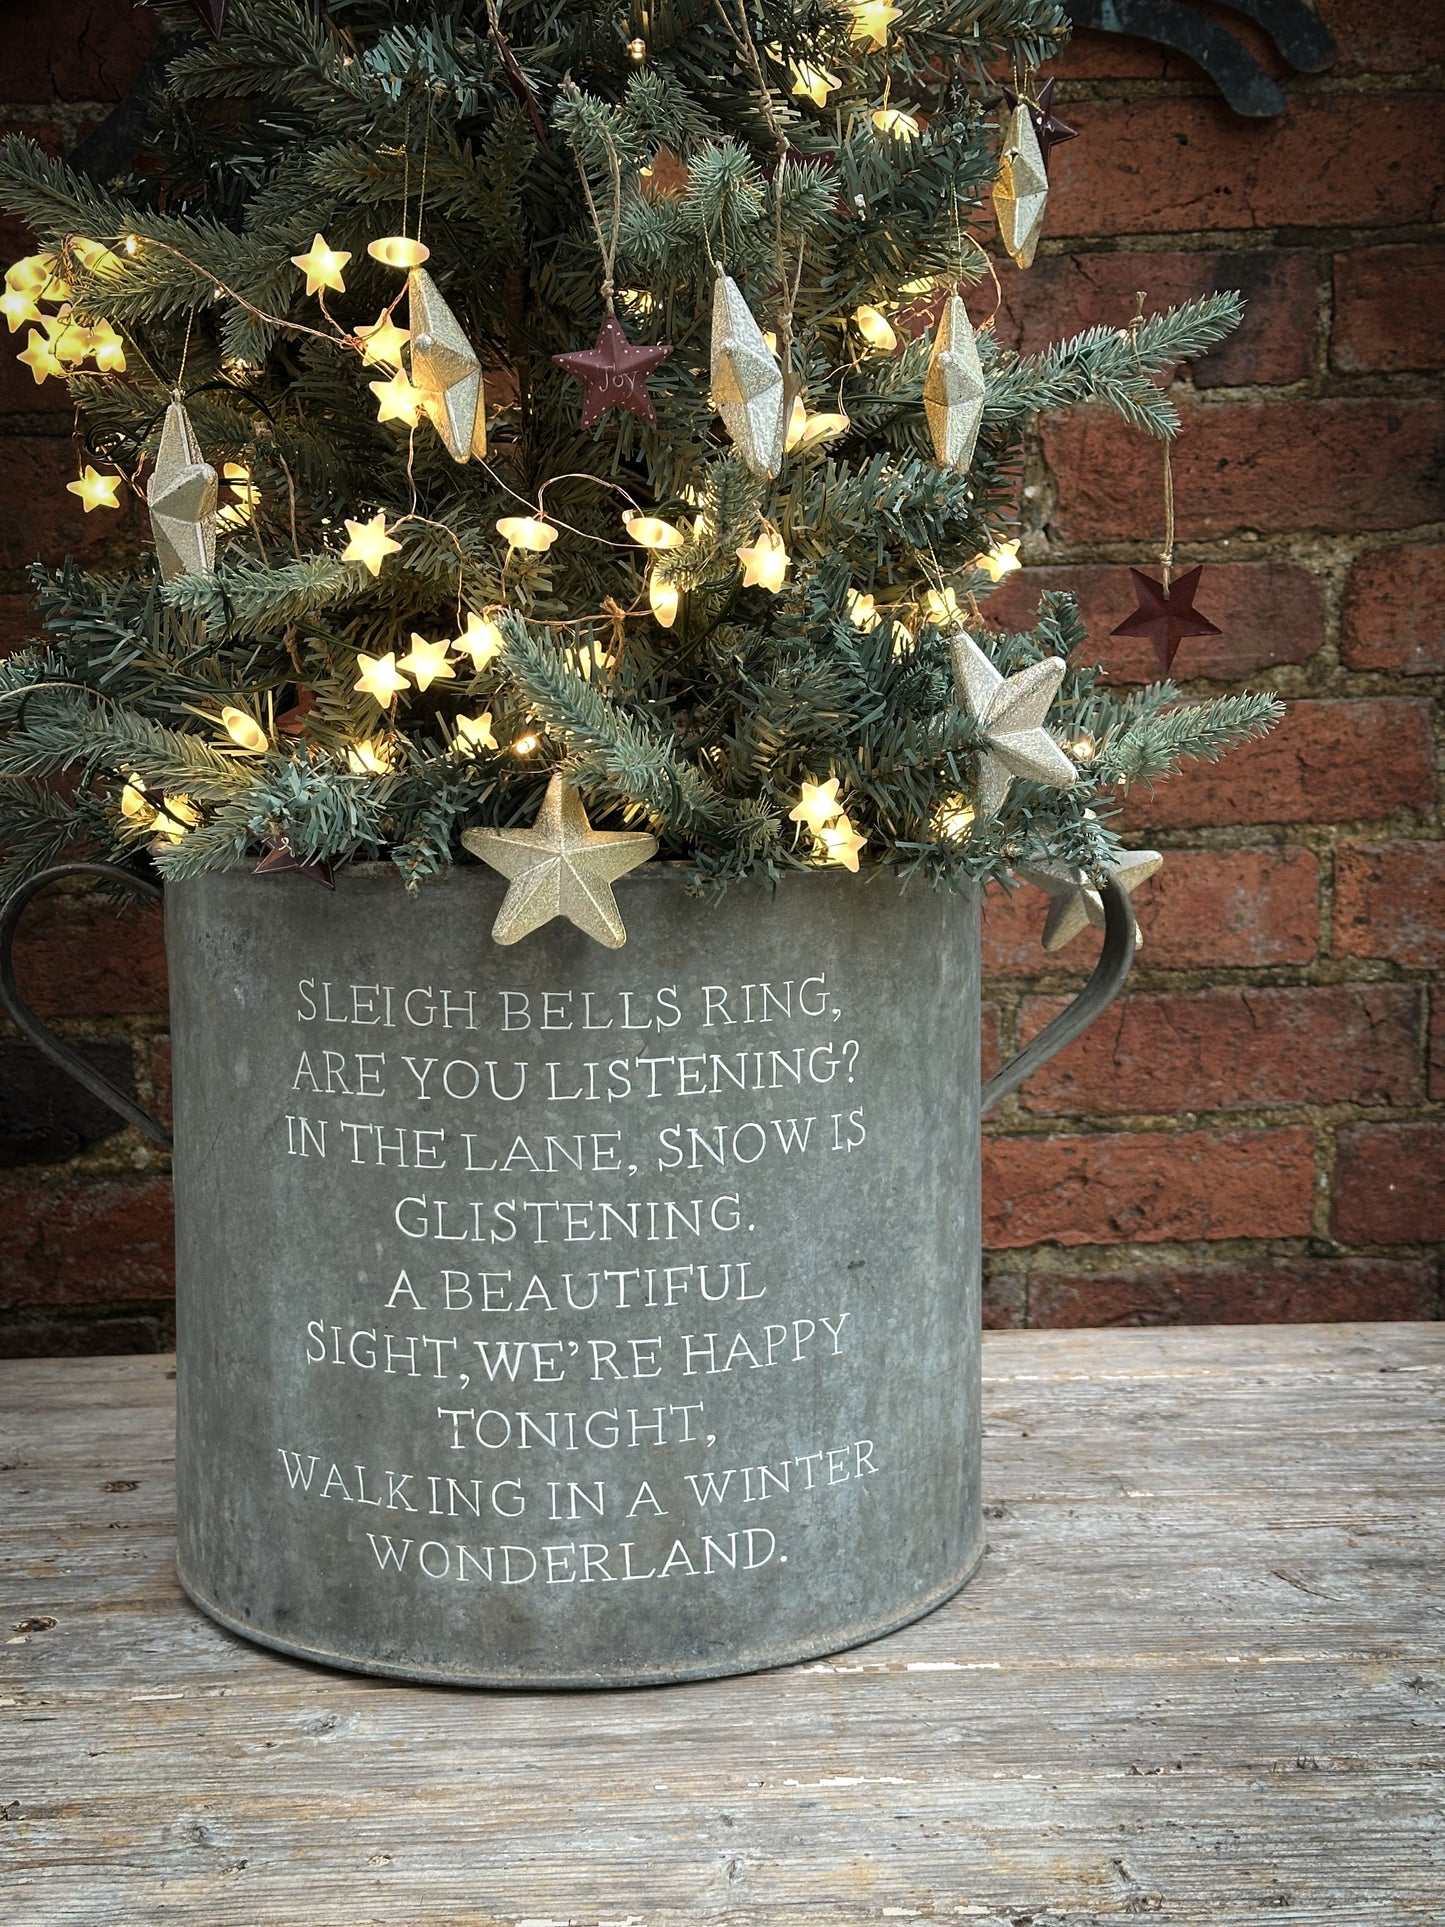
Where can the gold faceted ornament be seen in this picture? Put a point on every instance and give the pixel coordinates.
(1022, 188)
(953, 387)
(181, 495)
(561, 867)
(747, 383)
(445, 370)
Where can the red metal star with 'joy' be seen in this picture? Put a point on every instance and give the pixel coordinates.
(1166, 616)
(614, 373)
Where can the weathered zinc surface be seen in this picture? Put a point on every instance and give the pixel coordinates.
(553, 1315)
(1199, 1679)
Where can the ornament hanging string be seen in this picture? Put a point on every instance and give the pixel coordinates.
(788, 285)
(606, 244)
(1166, 554)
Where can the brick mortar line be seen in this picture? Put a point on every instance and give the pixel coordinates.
(1127, 1253)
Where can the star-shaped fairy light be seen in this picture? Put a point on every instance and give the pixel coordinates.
(17, 307)
(475, 732)
(482, 640)
(1049, 130)
(871, 21)
(96, 491)
(812, 83)
(368, 543)
(561, 867)
(382, 342)
(1166, 615)
(380, 678)
(397, 400)
(614, 373)
(1010, 714)
(765, 562)
(426, 662)
(39, 357)
(953, 388)
(282, 857)
(1022, 188)
(322, 266)
(818, 804)
(1001, 560)
(1075, 903)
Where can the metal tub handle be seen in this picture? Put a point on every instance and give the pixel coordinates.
(1092, 1001)
(44, 1039)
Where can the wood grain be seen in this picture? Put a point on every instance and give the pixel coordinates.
(1200, 1679)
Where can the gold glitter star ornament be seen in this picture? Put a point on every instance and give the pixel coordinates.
(561, 867)
(445, 370)
(181, 495)
(1022, 187)
(1010, 715)
(953, 388)
(1075, 903)
(747, 383)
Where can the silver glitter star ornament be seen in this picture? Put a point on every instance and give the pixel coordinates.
(953, 387)
(561, 867)
(444, 366)
(181, 497)
(1022, 188)
(1074, 902)
(1010, 713)
(747, 382)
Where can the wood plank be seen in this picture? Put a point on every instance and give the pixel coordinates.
(1201, 1676)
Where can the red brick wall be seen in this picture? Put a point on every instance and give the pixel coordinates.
(1257, 1131)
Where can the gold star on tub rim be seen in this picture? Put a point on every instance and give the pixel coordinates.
(561, 867)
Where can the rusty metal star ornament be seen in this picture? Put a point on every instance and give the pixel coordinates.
(1021, 189)
(614, 373)
(953, 388)
(1074, 900)
(444, 366)
(747, 382)
(181, 496)
(1010, 715)
(1166, 615)
(282, 857)
(561, 867)
(1050, 131)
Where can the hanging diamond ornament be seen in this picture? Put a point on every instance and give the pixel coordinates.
(181, 496)
(1010, 715)
(445, 368)
(953, 388)
(1022, 188)
(747, 383)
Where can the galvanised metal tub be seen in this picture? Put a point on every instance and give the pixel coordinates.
(553, 1316)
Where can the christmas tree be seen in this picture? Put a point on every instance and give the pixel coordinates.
(589, 391)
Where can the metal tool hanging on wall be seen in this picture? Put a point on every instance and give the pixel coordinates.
(1299, 35)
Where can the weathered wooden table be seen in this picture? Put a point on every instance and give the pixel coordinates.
(1199, 1678)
